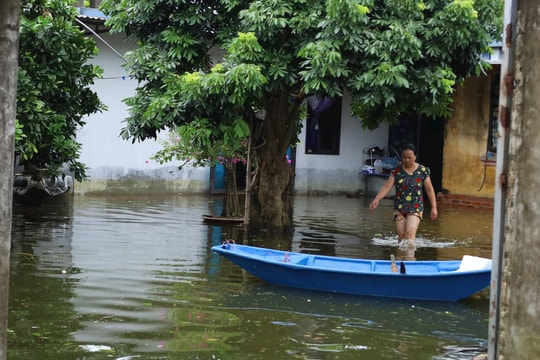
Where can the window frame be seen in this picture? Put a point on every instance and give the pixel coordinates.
(326, 138)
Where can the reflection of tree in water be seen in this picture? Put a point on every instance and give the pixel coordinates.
(199, 323)
(310, 324)
(318, 243)
(203, 330)
(40, 271)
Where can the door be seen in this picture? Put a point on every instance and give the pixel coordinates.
(428, 136)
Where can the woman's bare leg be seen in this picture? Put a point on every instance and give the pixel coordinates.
(401, 225)
(412, 222)
(406, 229)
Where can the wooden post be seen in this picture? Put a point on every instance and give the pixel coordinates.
(247, 200)
(9, 52)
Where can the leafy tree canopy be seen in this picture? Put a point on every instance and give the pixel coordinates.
(53, 94)
(394, 56)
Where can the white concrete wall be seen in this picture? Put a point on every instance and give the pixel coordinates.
(339, 173)
(118, 165)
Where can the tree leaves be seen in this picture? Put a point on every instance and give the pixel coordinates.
(393, 57)
(244, 48)
(53, 94)
(201, 143)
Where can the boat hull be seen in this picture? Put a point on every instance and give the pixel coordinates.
(223, 220)
(423, 280)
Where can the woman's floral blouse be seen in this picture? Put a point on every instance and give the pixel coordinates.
(410, 189)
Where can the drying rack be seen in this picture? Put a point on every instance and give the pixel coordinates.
(388, 155)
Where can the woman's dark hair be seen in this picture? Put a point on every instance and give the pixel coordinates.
(409, 147)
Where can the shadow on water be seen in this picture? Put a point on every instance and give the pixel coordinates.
(134, 278)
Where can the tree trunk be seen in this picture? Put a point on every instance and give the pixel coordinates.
(273, 177)
(519, 308)
(9, 32)
(231, 206)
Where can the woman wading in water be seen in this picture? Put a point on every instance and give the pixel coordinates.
(410, 180)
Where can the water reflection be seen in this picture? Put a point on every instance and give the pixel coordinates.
(126, 278)
(312, 324)
(41, 283)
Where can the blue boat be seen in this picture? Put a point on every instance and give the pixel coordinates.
(445, 280)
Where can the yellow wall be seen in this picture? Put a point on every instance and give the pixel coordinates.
(466, 135)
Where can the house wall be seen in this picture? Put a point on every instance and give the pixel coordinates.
(324, 174)
(465, 172)
(117, 165)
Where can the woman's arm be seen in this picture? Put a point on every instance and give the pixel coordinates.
(432, 198)
(382, 192)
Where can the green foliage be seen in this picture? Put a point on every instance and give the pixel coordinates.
(53, 94)
(394, 57)
(201, 144)
(19, 135)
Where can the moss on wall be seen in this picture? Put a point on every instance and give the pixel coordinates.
(141, 186)
(466, 136)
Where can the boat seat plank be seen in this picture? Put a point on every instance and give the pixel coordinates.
(360, 266)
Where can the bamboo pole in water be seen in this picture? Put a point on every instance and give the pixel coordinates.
(248, 174)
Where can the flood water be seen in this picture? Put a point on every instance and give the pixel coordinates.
(134, 278)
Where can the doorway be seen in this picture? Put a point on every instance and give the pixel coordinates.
(428, 136)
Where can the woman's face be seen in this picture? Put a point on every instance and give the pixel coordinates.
(408, 158)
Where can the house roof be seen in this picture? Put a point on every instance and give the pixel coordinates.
(496, 55)
(91, 13)
(94, 18)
